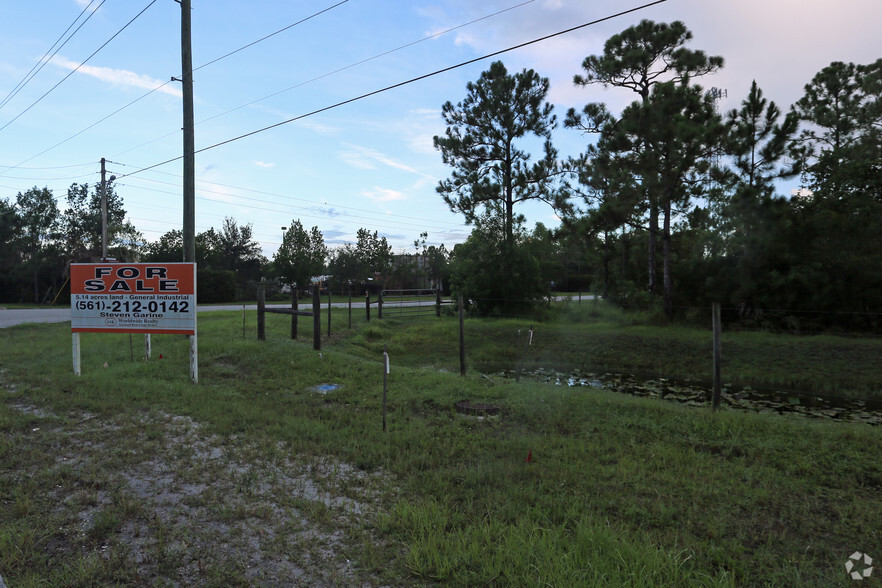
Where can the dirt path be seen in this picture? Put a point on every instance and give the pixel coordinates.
(159, 499)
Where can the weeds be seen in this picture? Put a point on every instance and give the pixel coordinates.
(130, 474)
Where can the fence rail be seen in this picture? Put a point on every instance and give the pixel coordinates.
(409, 303)
(294, 312)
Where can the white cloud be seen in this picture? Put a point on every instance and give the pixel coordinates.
(264, 164)
(356, 159)
(117, 77)
(383, 194)
(317, 127)
(366, 158)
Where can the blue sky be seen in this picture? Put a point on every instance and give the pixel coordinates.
(369, 163)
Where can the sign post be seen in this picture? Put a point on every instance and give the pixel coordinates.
(134, 298)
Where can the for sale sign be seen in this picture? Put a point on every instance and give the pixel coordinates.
(133, 297)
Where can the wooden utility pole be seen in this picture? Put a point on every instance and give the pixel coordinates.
(103, 210)
(189, 230)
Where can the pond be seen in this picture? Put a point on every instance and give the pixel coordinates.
(746, 399)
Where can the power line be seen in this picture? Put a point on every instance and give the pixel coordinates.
(307, 212)
(52, 166)
(338, 70)
(301, 21)
(95, 124)
(362, 61)
(44, 60)
(73, 71)
(285, 196)
(350, 220)
(117, 111)
(404, 83)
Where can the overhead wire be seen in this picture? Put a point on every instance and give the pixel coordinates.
(73, 71)
(412, 80)
(136, 100)
(267, 239)
(301, 21)
(44, 60)
(55, 166)
(404, 83)
(288, 89)
(328, 74)
(351, 65)
(285, 196)
(342, 212)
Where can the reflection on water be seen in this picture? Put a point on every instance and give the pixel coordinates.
(746, 399)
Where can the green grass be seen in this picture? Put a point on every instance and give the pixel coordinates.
(131, 474)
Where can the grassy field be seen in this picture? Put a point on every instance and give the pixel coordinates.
(130, 474)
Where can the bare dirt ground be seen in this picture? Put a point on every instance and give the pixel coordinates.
(176, 506)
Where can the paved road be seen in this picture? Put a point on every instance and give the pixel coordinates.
(10, 317)
(21, 316)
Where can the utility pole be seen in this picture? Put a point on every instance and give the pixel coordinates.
(103, 210)
(189, 230)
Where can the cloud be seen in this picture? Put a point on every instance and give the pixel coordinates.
(317, 127)
(366, 158)
(329, 212)
(383, 194)
(117, 77)
(356, 159)
(264, 164)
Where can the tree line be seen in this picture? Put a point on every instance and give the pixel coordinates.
(38, 242)
(671, 205)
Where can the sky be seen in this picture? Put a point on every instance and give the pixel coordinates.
(370, 163)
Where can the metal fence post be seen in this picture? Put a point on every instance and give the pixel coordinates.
(261, 311)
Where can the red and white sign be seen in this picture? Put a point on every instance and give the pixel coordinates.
(133, 298)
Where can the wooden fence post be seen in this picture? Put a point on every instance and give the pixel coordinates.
(350, 307)
(261, 311)
(294, 304)
(316, 318)
(380, 305)
(718, 356)
(367, 305)
(438, 303)
(462, 364)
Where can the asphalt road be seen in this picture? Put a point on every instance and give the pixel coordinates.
(21, 316)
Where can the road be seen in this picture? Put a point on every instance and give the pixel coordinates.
(21, 316)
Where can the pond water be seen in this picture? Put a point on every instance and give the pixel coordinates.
(747, 399)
